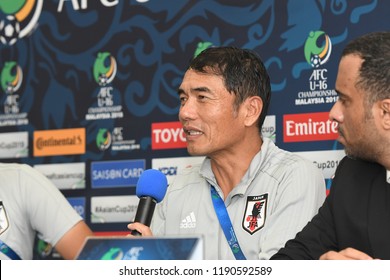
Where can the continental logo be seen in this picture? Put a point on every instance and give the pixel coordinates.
(59, 142)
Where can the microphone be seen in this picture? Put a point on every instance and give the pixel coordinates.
(151, 188)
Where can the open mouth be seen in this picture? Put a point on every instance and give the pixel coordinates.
(192, 132)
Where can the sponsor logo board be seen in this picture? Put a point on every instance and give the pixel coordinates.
(268, 129)
(170, 167)
(122, 173)
(168, 135)
(326, 161)
(66, 176)
(113, 209)
(59, 142)
(14, 145)
(78, 204)
(309, 127)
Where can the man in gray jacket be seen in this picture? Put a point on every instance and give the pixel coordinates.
(248, 197)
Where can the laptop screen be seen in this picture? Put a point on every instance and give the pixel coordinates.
(142, 248)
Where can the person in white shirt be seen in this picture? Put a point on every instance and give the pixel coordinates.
(31, 205)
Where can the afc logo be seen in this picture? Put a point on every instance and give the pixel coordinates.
(83, 4)
(117, 134)
(11, 104)
(105, 97)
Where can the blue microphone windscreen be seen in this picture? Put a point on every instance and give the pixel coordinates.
(152, 183)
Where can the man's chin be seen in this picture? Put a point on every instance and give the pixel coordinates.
(340, 139)
(194, 152)
(347, 151)
(359, 156)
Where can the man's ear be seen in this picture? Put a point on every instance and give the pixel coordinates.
(385, 113)
(254, 106)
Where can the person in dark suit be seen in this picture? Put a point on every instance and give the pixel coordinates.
(354, 221)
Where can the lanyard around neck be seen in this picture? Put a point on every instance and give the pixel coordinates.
(226, 224)
(8, 251)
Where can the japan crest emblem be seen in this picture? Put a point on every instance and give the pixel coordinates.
(3, 218)
(255, 213)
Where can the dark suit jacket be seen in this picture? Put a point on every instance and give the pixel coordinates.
(355, 214)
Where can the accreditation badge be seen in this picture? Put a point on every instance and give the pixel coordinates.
(3, 218)
(255, 213)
